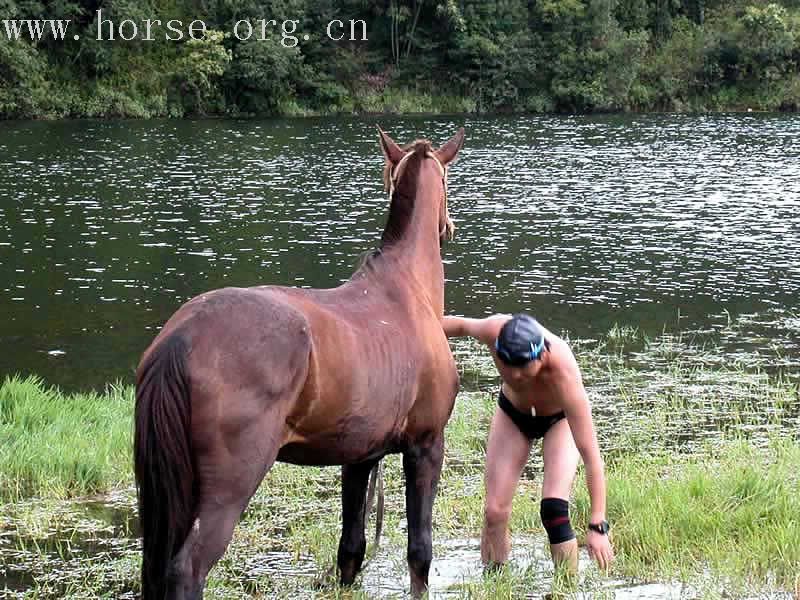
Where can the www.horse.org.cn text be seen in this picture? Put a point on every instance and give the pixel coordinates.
(176, 30)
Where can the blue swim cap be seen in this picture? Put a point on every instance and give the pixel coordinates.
(520, 341)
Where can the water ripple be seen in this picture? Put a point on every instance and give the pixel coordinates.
(586, 221)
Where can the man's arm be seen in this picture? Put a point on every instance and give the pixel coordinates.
(579, 417)
(456, 326)
(586, 441)
(486, 330)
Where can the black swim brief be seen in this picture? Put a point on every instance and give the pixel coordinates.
(533, 427)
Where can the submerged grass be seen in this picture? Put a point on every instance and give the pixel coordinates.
(702, 482)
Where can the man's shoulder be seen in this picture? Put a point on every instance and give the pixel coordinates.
(562, 353)
(554, 341)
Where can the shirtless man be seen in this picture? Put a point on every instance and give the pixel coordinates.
(542, 396)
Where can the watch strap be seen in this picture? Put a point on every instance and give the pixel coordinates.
(601, 527)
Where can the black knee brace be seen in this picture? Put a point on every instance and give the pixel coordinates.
(555, 518)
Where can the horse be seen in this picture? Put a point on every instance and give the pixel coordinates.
(239, 378)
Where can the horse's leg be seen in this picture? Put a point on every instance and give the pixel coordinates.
(353, 543)
(211, 533)
(422, 465)
(229, 471)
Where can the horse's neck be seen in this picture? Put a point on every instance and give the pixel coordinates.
(422, 264)
(416, 254)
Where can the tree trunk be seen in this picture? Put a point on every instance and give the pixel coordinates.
(417, 10)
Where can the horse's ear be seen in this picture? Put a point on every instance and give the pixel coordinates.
(447, 153)
(391, 150)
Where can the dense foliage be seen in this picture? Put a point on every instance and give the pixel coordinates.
(421, 55)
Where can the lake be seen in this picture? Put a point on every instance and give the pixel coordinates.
(657, 222)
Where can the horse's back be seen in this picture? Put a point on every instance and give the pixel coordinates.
(349, 374)
(232, 324)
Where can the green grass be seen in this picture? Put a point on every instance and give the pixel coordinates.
(701, 458)
(61, 445)
(403, 100)
(733, 509)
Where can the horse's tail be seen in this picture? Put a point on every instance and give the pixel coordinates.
(376, 481)
(163, 461)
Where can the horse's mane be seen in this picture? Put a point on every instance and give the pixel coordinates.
(366, 258)
(419, 147)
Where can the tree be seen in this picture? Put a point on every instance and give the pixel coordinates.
(263, 75)
(200, 64)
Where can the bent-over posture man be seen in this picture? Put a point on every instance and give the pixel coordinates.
(541, 396)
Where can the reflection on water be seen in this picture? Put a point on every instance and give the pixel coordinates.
(106, 227)
(457, 564)
(49, 546)
(456, 567)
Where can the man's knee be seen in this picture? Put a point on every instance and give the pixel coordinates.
(555, 518)
(496, 514)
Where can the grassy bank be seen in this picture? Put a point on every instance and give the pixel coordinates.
(733, 509)
(702, 478)
(108, 103)
(61, 445)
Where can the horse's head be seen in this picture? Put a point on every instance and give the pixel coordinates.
(414, 167)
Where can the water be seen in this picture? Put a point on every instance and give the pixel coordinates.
(49, 544)
(652, 221)
(58, 559)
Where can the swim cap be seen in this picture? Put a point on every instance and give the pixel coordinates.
(521, 340)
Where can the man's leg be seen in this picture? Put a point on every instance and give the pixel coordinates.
(560, 465)
(506, 454)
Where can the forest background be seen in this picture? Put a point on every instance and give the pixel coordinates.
(453, 56)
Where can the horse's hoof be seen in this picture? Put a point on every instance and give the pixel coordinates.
(419, 591)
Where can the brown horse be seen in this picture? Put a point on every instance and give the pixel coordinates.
(241, 377)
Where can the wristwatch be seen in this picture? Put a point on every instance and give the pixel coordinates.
(602, 527)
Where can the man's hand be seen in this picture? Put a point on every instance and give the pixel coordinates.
(599, 547)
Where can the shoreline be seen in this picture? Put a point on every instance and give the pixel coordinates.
(390, 113)
(401, 103)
